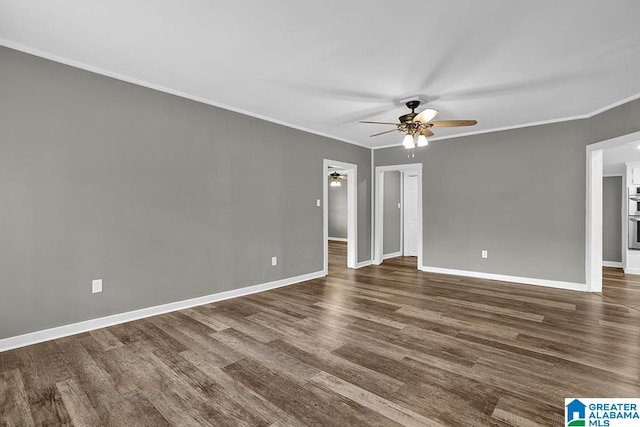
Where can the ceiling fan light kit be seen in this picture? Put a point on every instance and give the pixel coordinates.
(335, 179)
(422, 141)
(417, 126)
(407, 142)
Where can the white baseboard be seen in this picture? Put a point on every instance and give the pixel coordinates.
(103, 322)
(631, 271)
(617, 264)
(504, 278)
(337, 239)
(391, 255)
(364, 264)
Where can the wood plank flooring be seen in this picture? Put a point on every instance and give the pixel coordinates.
(379, 346)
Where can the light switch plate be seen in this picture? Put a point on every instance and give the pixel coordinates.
(485, 253)
(96, 286)
(318, 202)
(274, 260)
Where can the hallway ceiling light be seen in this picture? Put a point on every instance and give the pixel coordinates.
(335, 179)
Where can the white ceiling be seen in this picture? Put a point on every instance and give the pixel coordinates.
(323, 65)
(614, 159)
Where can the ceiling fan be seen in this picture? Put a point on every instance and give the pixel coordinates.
(335, 179)
(417, 126)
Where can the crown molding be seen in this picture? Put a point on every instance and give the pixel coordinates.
(531, 124)
(612, 106)
(97, 70)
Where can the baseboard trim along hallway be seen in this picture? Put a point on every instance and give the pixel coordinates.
(115, 319)
(614, 264)
(364, 264)
(572, 286)
(391, 255)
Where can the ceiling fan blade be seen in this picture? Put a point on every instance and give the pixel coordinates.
(427, 132)
(426, 116)
(453, 123)
(378, 123)
(382, 133)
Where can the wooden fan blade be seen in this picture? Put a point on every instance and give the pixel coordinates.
(453, 123)
(426, 116)
(342, 177)
(427, 132)
(382, 133)
(378, 123)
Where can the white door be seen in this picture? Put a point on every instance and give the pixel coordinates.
(410, 220)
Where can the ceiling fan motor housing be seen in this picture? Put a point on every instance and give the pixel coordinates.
(407, 117)
(410, 116)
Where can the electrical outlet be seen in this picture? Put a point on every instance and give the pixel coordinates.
(398, 205)
(274, 260)
(96, 286)
(485, 253)
(318, 202)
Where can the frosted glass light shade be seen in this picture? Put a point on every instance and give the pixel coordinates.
(407, 142)
(422, 141)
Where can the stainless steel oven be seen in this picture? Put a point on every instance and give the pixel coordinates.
(634, 201)
(634, 232)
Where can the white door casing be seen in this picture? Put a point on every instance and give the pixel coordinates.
(593, 234)
(352, 211)
(410, 214)
(412, 169)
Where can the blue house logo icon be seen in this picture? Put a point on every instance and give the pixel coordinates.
(576, 413)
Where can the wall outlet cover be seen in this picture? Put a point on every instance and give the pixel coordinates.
(274, 260)
(96, 286)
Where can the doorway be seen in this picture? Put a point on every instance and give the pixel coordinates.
(594, 221)
(350, 170)
(411, 208)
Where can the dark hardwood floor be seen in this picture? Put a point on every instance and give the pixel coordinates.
(384, 345)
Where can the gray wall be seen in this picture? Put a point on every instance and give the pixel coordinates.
(162, 197)
(618, 121)
(612, 218)
(391, 214)
(519, 193)
(338, 210)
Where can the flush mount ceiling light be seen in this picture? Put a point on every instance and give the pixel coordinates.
(335, 179)
(417, 126)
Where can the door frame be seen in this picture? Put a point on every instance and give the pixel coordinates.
(593, 232)
(379, 208)
(352, 211)
(403, 200)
